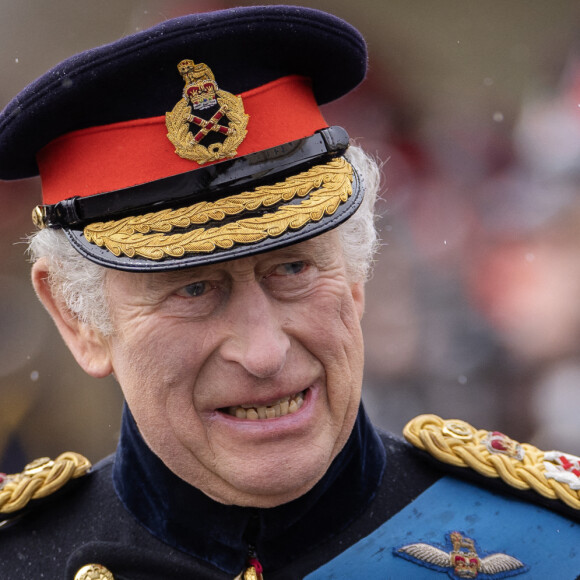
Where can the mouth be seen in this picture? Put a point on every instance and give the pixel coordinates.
(279, 408)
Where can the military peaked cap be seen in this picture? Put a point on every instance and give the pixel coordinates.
(196, 141)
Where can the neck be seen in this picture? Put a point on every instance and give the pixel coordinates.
(221, 535)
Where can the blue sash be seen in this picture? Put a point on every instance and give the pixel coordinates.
(546, 544)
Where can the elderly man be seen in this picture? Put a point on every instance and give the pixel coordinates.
(205, 237)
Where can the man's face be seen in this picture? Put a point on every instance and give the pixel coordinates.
(206, 356)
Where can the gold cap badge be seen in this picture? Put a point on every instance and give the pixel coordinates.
(207, 124)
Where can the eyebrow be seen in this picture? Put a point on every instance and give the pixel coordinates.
(319, 248)
(161, 280)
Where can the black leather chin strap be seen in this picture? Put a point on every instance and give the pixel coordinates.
(203, 184)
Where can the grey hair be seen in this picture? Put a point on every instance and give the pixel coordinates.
(358, 234)
(82, 285)
(75, 281)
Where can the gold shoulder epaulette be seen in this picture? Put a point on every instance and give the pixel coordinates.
(553, 474)
(40, 479)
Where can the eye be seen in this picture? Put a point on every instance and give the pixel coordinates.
(194, 289)
(289, 269)
(290, 279)
(197, 298)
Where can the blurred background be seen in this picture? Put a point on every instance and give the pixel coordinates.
(473, 311)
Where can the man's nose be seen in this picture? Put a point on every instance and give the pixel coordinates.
(256, 339)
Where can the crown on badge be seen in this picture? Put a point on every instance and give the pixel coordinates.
(219, 125)
(200, 86)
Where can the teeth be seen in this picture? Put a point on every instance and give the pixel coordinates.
(282, 407)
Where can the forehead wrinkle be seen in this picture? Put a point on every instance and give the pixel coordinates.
(326, 248)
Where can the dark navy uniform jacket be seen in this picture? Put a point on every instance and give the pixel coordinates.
(381, 511)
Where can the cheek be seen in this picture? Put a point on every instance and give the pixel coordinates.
(137, 374)
(337, 342)
(155, 361)
(337, 322)
(332, 333)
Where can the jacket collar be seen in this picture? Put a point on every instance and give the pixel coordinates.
(185, 518)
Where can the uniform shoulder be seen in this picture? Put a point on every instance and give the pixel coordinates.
(494, 460)
(40, 481)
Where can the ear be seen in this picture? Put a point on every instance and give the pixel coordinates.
(358, 294)
(87, 345)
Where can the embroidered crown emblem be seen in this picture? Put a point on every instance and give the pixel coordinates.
(497, 442)
(207, 124)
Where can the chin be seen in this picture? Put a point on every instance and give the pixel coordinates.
(271, 484)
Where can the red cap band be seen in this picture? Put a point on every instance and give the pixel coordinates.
(120, 155)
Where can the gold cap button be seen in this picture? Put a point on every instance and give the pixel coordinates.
(39, 217)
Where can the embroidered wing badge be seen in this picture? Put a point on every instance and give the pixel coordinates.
(463, 560)
(207, 124)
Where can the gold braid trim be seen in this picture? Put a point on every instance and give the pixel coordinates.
(458, 443)
(327, 186)
(39, 479)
